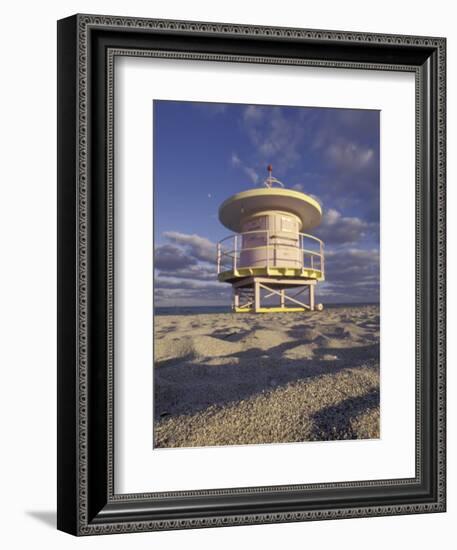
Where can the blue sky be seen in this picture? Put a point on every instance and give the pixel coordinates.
(205, 152)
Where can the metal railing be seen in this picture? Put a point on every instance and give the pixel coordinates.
(233, 252)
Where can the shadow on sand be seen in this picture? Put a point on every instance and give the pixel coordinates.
(334, 422)
(185, 386)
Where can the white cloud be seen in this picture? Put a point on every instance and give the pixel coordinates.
(282, 140)
(338, 229)
(253, 113)
(351, 275)
(196, 246)
(172, 291)
(349, 156)
(252, 174)
(248, 170)
(276, 138)
(235, 160)
(185, 271)
(179, 283)
(169, 258)
(197, 271)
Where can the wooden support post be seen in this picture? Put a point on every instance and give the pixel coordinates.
(311, 297)
(256, 296)
(282, 297)
(236, 299)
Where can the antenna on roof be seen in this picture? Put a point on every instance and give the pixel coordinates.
(270, 179)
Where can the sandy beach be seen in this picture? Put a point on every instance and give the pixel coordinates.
(236, 379)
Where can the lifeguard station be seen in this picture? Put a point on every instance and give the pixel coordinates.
(270, 257)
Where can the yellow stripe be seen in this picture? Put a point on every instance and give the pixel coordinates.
(299, 273)
(270, 310)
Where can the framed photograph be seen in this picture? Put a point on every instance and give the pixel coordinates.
(251, 274)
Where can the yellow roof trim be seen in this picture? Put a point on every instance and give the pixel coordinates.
(272, 191)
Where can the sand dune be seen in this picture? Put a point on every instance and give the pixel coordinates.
(225, 379)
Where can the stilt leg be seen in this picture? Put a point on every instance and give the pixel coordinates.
(236, 299)
(311, 297)
(282, 297)
(256, 296)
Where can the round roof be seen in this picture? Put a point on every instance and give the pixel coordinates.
(237, 207)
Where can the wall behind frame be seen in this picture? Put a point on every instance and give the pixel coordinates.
(28, 274)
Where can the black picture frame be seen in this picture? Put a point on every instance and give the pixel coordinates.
(87, 45)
